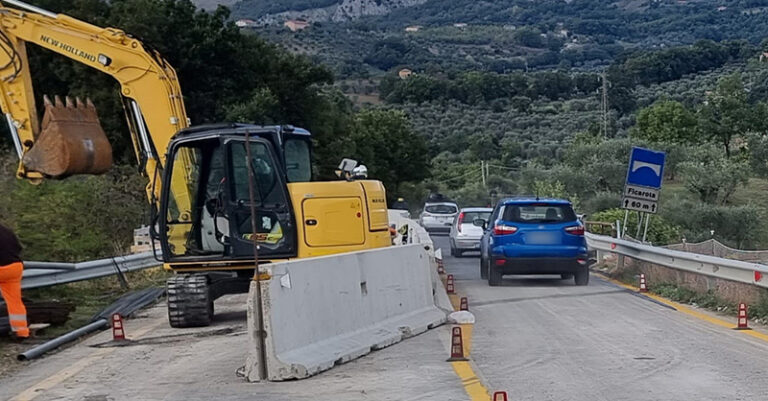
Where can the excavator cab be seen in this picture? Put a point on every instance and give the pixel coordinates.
(210, 219)
(71, 141)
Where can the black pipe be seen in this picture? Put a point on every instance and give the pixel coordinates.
(58, 341)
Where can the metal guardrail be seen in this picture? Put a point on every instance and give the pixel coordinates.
(45, 274)
(728, 269)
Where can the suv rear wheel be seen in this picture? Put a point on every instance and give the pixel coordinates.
(582, 276)
(494, 274)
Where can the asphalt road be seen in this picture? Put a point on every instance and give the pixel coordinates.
(543, 338)
(538, 338)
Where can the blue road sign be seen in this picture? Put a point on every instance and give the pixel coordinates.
(646, 168)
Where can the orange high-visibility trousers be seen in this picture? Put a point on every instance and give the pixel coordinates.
(10, 287)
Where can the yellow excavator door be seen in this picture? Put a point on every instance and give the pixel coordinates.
(336, 221)
(71, 141)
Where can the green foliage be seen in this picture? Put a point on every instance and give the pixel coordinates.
(258, 8)
(553, 189)
(76, 219)
(384, 141)
(601, 201)
(726, 114)
(223, 72)
(686, 295)
(738, 226)
(660, 230)
(476, 87)
(713, 177)
(667, 121)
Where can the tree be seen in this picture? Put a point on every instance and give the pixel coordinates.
(667, 121)
(726, 113)
(220, 67)
(384, 141)
(712, 177)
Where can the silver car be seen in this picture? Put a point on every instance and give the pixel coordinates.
(465, 235)
(438, 216)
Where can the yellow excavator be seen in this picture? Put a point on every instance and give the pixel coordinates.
(224, 196)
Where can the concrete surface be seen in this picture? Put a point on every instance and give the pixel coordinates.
(201, 364)
(320, 312)
(538, 339)
(545, 339)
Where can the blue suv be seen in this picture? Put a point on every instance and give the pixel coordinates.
(533, 236)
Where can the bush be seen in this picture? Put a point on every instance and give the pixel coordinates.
(600, 202)
(660, 231)
(77, 219)
(737, 226)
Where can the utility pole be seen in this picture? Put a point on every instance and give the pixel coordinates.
(605, 105)
(482, 171)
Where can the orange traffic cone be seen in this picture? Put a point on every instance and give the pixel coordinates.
(457, 346)
(742, 322)
(464, 304)
(118, 333)
(643, 284)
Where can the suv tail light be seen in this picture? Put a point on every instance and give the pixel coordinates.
(461, 218)
(575, 230)
(501, 229)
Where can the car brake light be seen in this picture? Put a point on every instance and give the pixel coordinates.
(461, 218)
(575, 230)
(501, 229)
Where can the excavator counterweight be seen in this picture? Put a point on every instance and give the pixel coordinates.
(71, 141)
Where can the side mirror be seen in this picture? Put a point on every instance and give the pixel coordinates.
(479, 222)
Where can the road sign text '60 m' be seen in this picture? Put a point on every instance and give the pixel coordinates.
(639, 205)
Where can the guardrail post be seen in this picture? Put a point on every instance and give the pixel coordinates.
(620, 262)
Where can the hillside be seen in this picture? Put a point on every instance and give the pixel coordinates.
(503, 35)
(212, 4)
(266, 12)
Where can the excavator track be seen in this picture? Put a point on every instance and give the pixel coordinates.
(189, 300)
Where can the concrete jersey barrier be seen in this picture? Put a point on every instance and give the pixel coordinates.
(322, 311)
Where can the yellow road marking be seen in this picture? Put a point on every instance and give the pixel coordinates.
(466, 338)
(473, 386)
(455, 301)
(73, 369)
(690, 312)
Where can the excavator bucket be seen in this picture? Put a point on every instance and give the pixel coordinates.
(71, 141)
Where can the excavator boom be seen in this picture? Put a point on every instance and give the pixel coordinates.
(71, 140)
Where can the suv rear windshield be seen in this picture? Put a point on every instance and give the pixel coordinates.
(538, 213)
(441, 209)
(470, 217)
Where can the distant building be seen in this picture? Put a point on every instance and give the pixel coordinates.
(413, 28)
(722, 8)
(404, 73)
(460, 25)
(244, 23)
(296, 24)
(764, 56)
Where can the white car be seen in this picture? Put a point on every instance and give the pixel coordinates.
(438, 216)
(465, 235)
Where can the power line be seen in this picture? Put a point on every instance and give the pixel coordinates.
(460, 177)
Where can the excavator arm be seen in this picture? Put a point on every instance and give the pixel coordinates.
(148, 84)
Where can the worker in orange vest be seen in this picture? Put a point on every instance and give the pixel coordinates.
(11, 269)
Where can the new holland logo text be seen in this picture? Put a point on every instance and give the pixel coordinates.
(68, 48)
